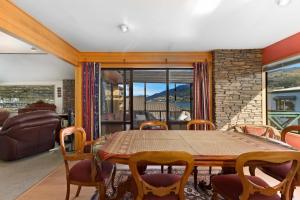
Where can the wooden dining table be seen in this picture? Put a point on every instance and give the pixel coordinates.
(209, 148)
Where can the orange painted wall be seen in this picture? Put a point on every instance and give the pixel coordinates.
(283, 49)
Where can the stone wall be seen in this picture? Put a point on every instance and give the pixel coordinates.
(68, 95)
(237, 79)
(13, 97)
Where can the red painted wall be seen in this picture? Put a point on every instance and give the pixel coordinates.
(283, 49)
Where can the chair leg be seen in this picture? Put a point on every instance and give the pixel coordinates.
(252, 170)
(162, 169)
(78, 191)
(214, 196)
(291, 192)
(169, 169)
(102, 192)
(113, 179)
(68, 191)
(195, 172)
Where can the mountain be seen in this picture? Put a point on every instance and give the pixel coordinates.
(182, 94)
(284, 79)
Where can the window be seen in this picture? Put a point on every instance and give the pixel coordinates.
(283, 95)
(131, 96)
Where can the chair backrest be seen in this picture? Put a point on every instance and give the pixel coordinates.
(202, 124)
(161, 125)
(161, 158)
(267, 158)
(259, 130)
(79, 138)
(292, 139)
(78, 154)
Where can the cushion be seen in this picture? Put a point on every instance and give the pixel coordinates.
(293, 140)
(159, 180)
(230, 186)
(278, 172)
(81, 171)
(255, 130)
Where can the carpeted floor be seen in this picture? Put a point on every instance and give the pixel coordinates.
(18, 176)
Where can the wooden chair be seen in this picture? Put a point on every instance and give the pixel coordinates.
(160, 186)
(279, 172)
(153, 125)
(85, 172)
(241, 187)
(202, 125)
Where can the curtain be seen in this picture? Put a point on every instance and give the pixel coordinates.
(201, 96)
(90, 99)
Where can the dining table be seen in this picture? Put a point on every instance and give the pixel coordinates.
(208, 147)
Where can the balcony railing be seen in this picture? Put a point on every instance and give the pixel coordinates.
(280, 119)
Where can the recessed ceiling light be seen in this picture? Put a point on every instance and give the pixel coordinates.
(33, 49)
(124, 28)
(283, 2)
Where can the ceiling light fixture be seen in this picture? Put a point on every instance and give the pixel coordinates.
(33, 49)
(124, 28)
(283, 2)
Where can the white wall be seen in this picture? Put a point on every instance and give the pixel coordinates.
(35, 69)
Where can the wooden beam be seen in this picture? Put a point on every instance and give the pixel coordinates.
(19, 24)
(141, 58)
(78, 96)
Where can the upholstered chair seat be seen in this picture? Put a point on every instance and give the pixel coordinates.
(160, 186)
(278, 172)
(230, 186)
(82, 171)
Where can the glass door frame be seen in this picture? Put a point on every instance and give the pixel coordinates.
(131, 70)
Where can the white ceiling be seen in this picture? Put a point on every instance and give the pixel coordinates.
(10, 44)
(166, 25)
(18, 68)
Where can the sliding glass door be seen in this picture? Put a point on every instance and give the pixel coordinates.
(131, 96)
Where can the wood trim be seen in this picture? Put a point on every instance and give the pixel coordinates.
(286, 48)
(145, 57)
(19, 24)
(78, 96)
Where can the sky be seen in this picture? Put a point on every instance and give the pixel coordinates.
(152, 88)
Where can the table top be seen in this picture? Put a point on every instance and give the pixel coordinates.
(203, 145)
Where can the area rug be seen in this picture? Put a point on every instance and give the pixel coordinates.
(190, 192)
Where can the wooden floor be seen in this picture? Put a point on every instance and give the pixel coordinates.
(53, 187)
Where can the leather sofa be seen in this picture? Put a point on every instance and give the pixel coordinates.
(28, 134)
(4, 114)
(39, 105)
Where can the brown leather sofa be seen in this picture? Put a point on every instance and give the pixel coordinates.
(28, 134)
(4, 114)
(39, 105)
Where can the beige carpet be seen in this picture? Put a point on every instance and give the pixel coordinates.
(18, 176)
